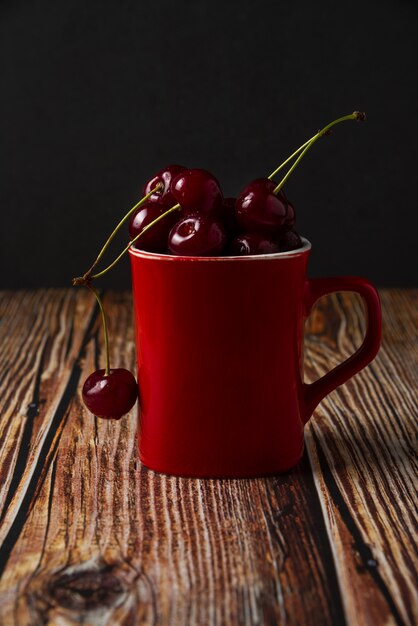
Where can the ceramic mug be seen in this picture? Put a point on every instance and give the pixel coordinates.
(220, 359)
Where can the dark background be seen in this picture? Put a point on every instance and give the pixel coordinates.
(97, 96)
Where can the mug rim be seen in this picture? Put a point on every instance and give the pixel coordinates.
(143, 254)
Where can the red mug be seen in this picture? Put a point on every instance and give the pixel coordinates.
(220, 359)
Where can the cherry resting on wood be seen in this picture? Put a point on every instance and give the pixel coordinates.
(197, 190)
(154, 239)
(110, 396)
(259, 210)
(197, 235)
(164, 177)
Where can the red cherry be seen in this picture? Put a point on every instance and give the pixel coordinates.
(164, 177)
(197, 235)
(290, 216)
(290, 213)
(252, 243)
(110, 396)
(290, 240)
(197, 190)
(259, 210)
(155, 238)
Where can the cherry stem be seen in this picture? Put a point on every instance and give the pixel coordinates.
(123, 220)
(357, 115)
(281, 166)
(106, 336)
(176, 207)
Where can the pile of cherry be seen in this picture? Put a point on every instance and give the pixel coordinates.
(259, 221)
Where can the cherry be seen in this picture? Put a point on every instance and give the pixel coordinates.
(197, 235)
(197, 190)
(164, 177)
(290, 216)
(154, 239)
(290, 212)
(252, 243)
(110, 395)
(259, 210)
(289, 240)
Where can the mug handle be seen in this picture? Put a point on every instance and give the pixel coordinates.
(315, 289)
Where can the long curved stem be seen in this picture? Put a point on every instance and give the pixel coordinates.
(106, 336)
(123, 220)
(144, 230)
(357, 115)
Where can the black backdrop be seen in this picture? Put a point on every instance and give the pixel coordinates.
(98, 95)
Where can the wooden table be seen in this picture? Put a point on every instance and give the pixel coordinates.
(90, 536)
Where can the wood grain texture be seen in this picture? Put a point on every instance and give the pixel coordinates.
(90, 536)
(362, 446)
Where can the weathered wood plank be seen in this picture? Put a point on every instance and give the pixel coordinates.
(362, 446)
(41, 337)
(105, 541)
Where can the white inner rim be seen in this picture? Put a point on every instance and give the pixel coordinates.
(246, 257)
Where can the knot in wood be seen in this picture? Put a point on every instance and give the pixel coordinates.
(86, 590)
